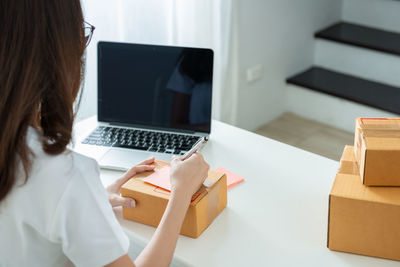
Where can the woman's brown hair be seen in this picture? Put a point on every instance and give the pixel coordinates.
(41, 48)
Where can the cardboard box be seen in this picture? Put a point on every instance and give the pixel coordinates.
(151, 202)
(363, 220)
(377, 150)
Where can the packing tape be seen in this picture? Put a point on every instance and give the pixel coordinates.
(212, 202)
(373, 126)
(348, 167)
(385, 122)
(358, 145)
(382, 133)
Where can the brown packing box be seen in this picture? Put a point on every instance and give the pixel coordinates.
(363, 220)
(151, 202)
(377, 150)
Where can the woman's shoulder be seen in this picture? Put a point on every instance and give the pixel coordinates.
(65, 166)
(50, 179)
(62, 167)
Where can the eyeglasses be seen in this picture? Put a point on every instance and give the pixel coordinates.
(88, 31)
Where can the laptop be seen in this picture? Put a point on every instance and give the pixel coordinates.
(152, 101)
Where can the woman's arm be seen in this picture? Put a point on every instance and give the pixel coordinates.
(186, 177)
(160, 250)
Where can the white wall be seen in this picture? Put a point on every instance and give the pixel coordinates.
(279, 34)
(364, 63)
(383, 14)
(202, 23)
(275, 33)
(121, 20)
(368, 64)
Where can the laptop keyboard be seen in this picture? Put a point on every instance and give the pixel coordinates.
(142, 140)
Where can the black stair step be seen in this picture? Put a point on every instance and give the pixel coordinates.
(349, 87)
(362, 36)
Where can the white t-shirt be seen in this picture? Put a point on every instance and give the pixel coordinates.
(61, 216)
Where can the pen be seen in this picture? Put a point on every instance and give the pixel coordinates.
(199, 144)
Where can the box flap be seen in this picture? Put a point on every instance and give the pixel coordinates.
(348, 154)
(203, 191)
(213, 177)
(379, 123)
(138, 185)
(382, 143)
(350, 186)
(347, 165)
(379, 133)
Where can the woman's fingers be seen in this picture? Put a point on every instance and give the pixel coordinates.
(176, 158)
(135, 170)
(115, 188)
(117, 200)
(141, 167)
(147, 161)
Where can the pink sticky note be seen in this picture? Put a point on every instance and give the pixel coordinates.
(232, 178)
(160, 178)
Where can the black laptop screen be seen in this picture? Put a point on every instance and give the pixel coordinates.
(155, 86)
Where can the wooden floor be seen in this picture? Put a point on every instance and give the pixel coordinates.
(309, 135)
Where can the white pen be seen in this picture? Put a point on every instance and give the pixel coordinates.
(199, 144)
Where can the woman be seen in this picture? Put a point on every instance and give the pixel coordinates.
(53, 208)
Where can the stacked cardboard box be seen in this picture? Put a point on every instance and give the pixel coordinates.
(364, 203)
(377, 150)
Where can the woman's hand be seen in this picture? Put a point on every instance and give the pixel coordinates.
(188, 175)
(186, 178)
(114, 189)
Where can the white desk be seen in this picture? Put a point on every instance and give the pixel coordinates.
(277, 217)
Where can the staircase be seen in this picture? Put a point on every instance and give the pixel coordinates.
(356, 70)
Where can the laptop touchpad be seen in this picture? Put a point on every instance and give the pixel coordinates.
(122, 159)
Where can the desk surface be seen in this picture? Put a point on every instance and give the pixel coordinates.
(277, 217)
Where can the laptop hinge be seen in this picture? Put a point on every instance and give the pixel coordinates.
(141, 127)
